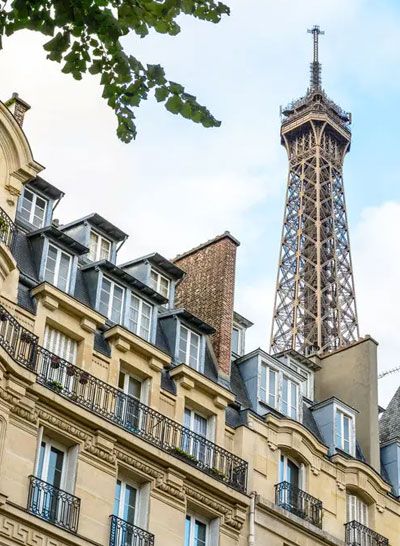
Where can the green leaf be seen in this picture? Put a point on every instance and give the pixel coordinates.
(174, 104)
(161, 94)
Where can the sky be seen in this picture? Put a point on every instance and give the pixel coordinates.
(179, 184)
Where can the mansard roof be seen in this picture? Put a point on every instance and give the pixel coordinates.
(46, 188)
(389, 423)
(159, 261)
(101, 223)
(56, 234)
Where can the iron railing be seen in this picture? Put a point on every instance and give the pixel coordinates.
(299, 502)
(53, 504)
(7, 229)
(123, 533)
(358, 534)
(120, 408)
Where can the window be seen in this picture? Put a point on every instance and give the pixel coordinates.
(128, 410)
(58, 343)
(189, 347)
(159, 283)
(139, 320)
(57, 269)
(236, 341)
(190, 443)
(289, 397)
(289, 471)
(196, 531)
(268, 385)
(343, 431)
(125, 502)
(99, 247)
(33, 208)
(111, 300)
(357, 510)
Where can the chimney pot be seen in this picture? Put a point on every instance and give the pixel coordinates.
(18, 107)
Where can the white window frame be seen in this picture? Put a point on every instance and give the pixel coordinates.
(63, 346)
(356, 509)
(57, 266)
(140, 316)
(110, 302)
(239, 330)
(343, 416)
(289, 401)
(32, 211)
(49, 444)
(158, 282)
(135, 486)
(98, 246)
(266, 388)
(188, 342)
(193, 518)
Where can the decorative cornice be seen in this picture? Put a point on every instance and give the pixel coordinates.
(100, 453)
(138, 465)
(16, 409)
(170, 489)
(63, 425)
(230, 518)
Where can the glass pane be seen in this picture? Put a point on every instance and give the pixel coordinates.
(164, 287)
(338, 430)
(200, 531)
(194, 350)
(26, 205)
(145, 321)
(183, 344)
(187, 531)
(346, 434)
(55, 467)
(285, 394)
(63, 271)
(134, 387)
(129, 504)
(263, 383)
(117, 304)
(187, 418)
(121, 380)
(272, 388)
(292, 473)
(41, 459)
(93, 241)
(50, 266)
(282, 469)
(39, 210)
(235, 341)
(105, 250)
(293, 400)
(105, 297)
(200, 425)
(153, 280)
(117, 498)
(134, 314)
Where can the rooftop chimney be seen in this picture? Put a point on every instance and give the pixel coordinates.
(207, 290)
(17, 107)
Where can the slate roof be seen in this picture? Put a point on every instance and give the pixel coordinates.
(389, 423)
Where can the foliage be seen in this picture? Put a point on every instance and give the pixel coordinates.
(86, 37)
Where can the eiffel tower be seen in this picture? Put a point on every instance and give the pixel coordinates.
(315, 307)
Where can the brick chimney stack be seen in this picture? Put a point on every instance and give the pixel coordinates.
(207, 290)
(17, 107)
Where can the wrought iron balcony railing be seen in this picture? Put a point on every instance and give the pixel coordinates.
(299, 502)
(359, 535)
(121, 409)
(123, 533)
(7, 229)
(53, 504)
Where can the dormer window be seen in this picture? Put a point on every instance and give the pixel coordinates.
(111, 300)
(139, 320)
(159, 283)
(289, 397)
(189, 347)
(58, 267)
(269, 385)
(343, 431)
(278, 390)
(236, 340)
(99, 247)
(33, 208)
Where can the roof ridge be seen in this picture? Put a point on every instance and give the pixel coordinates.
(225, 234)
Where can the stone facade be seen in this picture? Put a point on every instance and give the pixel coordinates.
(228, 482)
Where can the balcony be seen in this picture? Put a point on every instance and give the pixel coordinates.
(359, 535)
(299, 502)
(123, 533)
(7, 229)
(115, 406)
(53, 505)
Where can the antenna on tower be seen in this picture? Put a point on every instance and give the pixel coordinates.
(388, 372)
(315, 66)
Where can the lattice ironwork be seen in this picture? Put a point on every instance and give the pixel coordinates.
(315, 308)
(120, 408)
(123, 533)
(360, 535)
(53, 504)
(298, 502)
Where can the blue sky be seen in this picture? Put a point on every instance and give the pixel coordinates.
(180, 184)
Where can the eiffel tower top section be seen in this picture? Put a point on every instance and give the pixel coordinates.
(316, 104)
